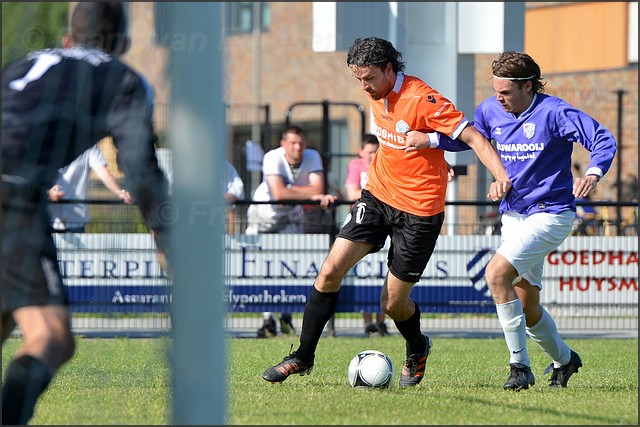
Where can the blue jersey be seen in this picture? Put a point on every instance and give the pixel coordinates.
(535, 148)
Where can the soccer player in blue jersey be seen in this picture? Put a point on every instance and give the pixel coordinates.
(534, 134)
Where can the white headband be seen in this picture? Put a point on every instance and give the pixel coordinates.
(513, 78)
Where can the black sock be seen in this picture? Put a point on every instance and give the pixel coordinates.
(317, 313)
(25, 379)
(410, 330)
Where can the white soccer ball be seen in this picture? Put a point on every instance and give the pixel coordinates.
(370, 369)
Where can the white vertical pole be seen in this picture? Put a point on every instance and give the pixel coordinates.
(393, 23)
(393, 38)
(256, 176)
(324, 26)
(257, 30)
(197, 135)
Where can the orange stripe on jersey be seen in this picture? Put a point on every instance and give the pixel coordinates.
(414, 182)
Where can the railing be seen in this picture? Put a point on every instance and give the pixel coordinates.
(117, 287)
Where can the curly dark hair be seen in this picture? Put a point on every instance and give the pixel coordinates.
(99, 24)
(374, 51)
(520, 67)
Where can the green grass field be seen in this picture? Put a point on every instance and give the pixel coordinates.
(127, 381)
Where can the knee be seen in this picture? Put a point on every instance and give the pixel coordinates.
(499, 281)
(62, 347)
(329, 278)
(499, 275)
(493, 276)
(386, 307)
(52, 351)
(391, 312)
(59, 347)
(389, 307)
(397, 309)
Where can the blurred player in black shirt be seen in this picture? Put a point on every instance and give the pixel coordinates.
(56, 103)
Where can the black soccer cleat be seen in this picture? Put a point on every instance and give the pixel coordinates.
(520, 379)
(268, 329)
(561, 375)
(382, 329)
(286, 324)
(371, 328)
(291, 364)
(379, 327)
(414, 366)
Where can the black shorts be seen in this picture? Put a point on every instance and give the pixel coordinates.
(413, 238)
(30, 272)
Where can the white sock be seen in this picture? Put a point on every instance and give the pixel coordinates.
(545, 334)
(514, 326)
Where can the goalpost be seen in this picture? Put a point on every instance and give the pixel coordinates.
(192, 32)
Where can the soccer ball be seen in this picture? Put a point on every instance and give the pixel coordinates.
(370, 369)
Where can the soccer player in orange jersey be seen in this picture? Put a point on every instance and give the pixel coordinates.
(404, 199)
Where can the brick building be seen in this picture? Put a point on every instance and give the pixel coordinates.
(587, 52)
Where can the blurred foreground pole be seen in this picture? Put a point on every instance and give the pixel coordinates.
(193, 34)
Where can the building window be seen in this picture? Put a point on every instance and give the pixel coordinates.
(239, 16)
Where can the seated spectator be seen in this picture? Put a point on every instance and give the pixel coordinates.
(290, 172)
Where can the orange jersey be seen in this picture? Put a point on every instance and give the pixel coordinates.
(414, 182)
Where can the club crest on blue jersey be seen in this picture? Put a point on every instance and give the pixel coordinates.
(529, 130)
(402, 127)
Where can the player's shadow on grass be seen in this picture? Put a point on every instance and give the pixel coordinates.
(535, 409)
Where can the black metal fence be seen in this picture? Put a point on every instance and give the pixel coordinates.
(116, 286)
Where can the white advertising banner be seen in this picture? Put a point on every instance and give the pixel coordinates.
(119, 272)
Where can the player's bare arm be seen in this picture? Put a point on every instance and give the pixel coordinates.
(313, 191)
(490, 158)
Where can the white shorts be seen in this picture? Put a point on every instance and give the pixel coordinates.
(527, 240)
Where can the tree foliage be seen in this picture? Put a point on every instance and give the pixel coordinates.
(31, 26)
